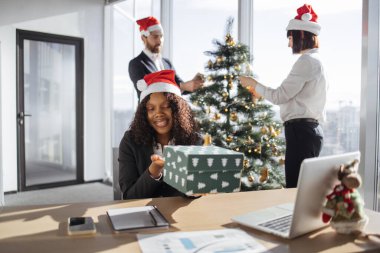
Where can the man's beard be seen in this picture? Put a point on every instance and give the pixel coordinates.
(154, 49)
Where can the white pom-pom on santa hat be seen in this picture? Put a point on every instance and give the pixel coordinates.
(306, 17)
(141, 85)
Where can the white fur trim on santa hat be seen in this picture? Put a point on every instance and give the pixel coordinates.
(160, 87)
(309, 26)
(152, 28)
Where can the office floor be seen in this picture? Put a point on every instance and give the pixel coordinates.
(89, 192)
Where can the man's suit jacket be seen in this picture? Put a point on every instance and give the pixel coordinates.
(134, 178)
(143, 65)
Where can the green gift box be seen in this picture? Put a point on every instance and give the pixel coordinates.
(202, 169)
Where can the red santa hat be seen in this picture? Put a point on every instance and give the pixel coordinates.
(148, 25)
(161, 81)
(306, 20)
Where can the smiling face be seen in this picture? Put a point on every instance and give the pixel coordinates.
(160, 116)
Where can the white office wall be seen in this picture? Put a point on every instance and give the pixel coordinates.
(80, 18)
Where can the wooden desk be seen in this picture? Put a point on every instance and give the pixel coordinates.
(43, 228)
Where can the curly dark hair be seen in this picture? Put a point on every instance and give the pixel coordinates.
(184, 130)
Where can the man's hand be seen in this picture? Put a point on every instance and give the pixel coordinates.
(194, 84)
(156, 167)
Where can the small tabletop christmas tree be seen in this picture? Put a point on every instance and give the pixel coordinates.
(230, 117)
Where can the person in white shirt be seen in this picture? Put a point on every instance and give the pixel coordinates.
(301, 96)
(150, 59)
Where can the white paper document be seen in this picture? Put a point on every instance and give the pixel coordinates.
(212, 241)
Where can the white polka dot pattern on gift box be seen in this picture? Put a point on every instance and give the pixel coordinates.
(202, 169)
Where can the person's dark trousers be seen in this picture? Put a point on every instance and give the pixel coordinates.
(304, 139)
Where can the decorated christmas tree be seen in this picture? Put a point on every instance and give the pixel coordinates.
(230, 117)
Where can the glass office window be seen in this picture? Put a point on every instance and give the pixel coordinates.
(340, 48)
(126, 44)
(195, 25)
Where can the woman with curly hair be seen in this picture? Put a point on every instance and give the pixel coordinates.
(162, 118)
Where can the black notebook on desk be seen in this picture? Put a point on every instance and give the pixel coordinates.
(136, 218)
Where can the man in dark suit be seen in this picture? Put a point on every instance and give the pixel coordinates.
(150, 59)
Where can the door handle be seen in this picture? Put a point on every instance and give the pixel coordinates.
(21, 116)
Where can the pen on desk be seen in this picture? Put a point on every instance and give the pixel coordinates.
(153, 219)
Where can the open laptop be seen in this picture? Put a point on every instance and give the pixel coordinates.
(317, 178)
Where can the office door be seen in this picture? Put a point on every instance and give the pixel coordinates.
(49, 110)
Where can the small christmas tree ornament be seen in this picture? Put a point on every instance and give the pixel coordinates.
(264, 130)
(207, 140)
(209, 64)
(233, 116)
(264, 175)
(229, 40)
(344, 206)
(251, 177)
(217, 116)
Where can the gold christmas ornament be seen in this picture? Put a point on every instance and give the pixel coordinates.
(264, 174)
(233, 116)
(209, 78)
(251, 177)
(209, 64)
(230, 41)
(228, 139)
(219, 59)
(258, 149)
(281, 161)
(237, 67)
(264, 130)
(225, 94)
(246, 164)
(216, 116)
(226, 109)
(207, 140)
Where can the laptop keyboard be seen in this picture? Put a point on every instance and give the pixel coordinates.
(280, 224)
